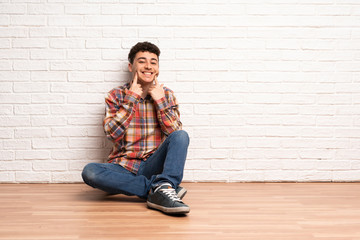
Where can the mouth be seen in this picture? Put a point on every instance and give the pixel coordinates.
(148, 74)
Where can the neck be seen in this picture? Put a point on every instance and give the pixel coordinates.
(145, 87)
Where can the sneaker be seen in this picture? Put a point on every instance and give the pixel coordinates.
(181, 192)
(165, 199)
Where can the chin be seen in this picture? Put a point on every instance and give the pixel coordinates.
(147, 80)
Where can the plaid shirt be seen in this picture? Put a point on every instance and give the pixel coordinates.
(138, 126)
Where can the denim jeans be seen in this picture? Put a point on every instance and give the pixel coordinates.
(166, 164)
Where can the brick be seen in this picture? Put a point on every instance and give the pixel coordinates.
(32, 177)
(346, 175)
(7, 177)
(103, 66)
(4, 20)
(32, 154)
(84, 32)
(67, 43)
(47, 121)
(5, 65)
(66, 154)
(30, 65)
(120, 9)
(85, 98)
(14, 32)
(86, 143)
(66, 87)
(103, 43)
(31, 133)
(98, 154)
(49, 143)
(6, 109)
(77, 165)
(295, 164)
(11, 98)
(44, 76)
(192, 21)
(65, 20)
(66, 177)
(211, 154)
(28, 20)
(246, 176)
(17, 144)
(67, 65)
(45, 9)
(47, 32)
(9, 121)
(16, 166)
(280, 175)
(160, 32)
(68, 132)
(150, 9)
(47, 98)
(263, 142)
(6, 87)
(229, 165)
(263, 165)
(316, 154)
(84, 54)
(94, 121)
(76, 109)
(114, 54)
(82, 9)
(31, 87)
(14, 54)
(6, 133)
(49, 165)
(7, 155)
(47, 54)
(129, 32)
(232, 143)
(105, 20)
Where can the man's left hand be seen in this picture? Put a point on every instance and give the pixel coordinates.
(157, 91)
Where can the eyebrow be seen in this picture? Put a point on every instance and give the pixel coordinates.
(145, 58)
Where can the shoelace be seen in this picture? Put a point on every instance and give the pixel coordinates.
(171, 194)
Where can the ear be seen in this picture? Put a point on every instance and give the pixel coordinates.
(130, 67)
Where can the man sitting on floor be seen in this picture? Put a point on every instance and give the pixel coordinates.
(149, 152)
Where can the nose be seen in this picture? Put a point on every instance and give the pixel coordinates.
(148, 65)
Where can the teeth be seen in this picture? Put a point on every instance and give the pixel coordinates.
(147, 73)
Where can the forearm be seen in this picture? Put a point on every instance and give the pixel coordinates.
(168, 116)
(118, 117)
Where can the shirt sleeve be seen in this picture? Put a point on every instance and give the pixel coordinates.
(168, 113)
(120, 109)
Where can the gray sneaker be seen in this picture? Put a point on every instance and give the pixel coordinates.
(181, 192)
(165, 199)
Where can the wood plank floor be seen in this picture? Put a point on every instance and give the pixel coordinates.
(265, 211)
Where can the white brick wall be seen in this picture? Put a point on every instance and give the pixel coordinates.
(269, 89)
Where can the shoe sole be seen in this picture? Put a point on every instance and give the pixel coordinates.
(182, 193)
(176, 210)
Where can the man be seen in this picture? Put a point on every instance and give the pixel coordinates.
(143, 121)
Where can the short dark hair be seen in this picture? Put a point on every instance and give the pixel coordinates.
(143, 47)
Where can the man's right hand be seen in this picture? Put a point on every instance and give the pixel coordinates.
(135, 86)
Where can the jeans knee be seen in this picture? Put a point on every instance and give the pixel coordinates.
(181, 136)
(88, 174)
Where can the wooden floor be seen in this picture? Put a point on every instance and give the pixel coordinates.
(266, 211)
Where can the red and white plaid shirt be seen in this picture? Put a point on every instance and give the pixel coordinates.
(138, 126)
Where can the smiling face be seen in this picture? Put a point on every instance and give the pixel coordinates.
(146, 64)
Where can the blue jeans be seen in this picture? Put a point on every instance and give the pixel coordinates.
(166, 164)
